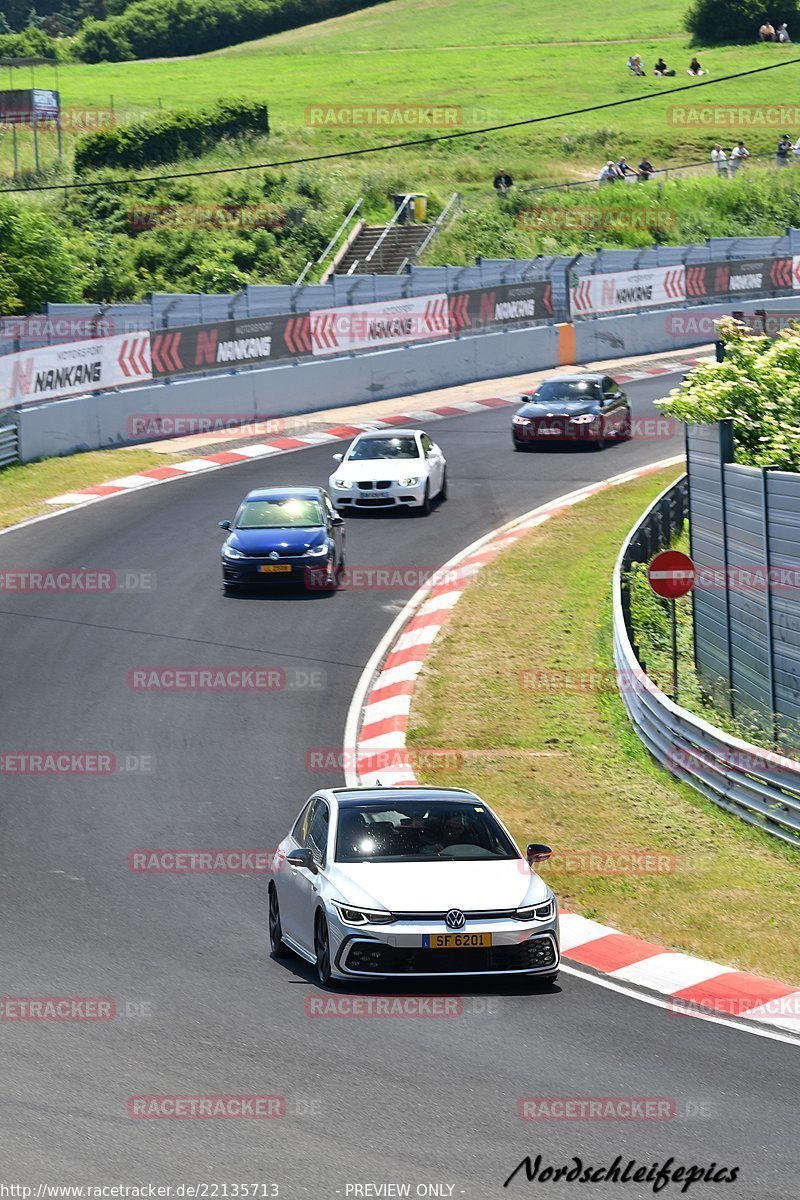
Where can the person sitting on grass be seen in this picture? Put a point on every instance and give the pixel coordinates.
(661, 68)
(503, 182)
(695, 68)
(636, 65)
(783, 33)
(766, 33)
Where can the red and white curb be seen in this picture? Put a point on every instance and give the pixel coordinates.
(375, 750)
(285, 445)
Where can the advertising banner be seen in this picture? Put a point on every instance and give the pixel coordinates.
(386, 323)
(621, 291)
(506, 304)
(74, 367)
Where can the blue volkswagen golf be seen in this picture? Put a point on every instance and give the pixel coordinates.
(292, 534)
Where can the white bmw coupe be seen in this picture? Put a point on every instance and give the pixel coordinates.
(390, 468)
(410, 881)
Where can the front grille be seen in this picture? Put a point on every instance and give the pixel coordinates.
(376, 958)
(374, 485)
(375, 502)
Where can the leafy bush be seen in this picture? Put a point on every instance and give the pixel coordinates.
(35, 261)
(31, 43)
(757, 386)
(717, 21)
(171, 135)
(158, 28)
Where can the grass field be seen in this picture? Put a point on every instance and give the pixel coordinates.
(563, 765)
(492, 62)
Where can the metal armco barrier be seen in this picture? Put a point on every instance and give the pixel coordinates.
(758, 785)
(8, 445)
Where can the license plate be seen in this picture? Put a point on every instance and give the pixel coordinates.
(455, 941)
(548, 429)
(266, 569)
(376, 495)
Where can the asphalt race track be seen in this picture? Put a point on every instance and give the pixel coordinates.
(201, 1006)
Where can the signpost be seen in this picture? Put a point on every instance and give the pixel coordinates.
(671, 575)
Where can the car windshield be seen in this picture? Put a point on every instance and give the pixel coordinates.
(383, 447)
(567, 393)
(419, 831)
(279, 514)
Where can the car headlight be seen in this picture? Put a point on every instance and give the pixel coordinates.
(363, 916)
(232, 552)
(344, 484)
(316, 551)
(412, 481)
(537, 912)
(520, 420)
(584, 419)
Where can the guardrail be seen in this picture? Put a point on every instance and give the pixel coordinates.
(331, 244)
(9, 449)
(760, 786)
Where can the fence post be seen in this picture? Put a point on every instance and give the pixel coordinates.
(773, 703)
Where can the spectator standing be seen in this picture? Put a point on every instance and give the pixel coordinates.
(624, 169)
(796, 149)
(503, 182)
(609, 173)
(645, 169)
(783, 33)
(738, 154)
(783, 151)
(720, 160)
(766, 33)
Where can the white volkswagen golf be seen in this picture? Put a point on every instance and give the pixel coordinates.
(390, 468)
(410, 881)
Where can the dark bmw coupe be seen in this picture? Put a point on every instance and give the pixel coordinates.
(573, 408)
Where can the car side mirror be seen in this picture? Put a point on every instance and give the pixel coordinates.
(537, 852)
(225, 525)
(616, 395)
(337, 520)
(338, 457)
(302, 858)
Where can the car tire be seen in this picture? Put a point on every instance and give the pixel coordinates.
(521, 446)
(424, 509)
(277, 946)
(228, 588)
(443, 489)
(322, 950)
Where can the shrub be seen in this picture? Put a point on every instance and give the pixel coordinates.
(717, 21)
(758, 386)
(157, 28)
(169, 136)
(31, 43)
(35, 261)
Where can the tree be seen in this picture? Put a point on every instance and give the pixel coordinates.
(757, 386)
(714, 22)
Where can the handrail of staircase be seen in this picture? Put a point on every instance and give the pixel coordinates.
(409, 196)
(444, 217)
(333, 242)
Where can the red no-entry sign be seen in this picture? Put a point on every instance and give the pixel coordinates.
(671, 574)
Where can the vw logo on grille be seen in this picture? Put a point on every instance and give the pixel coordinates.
(274, 554)
(455, 919)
